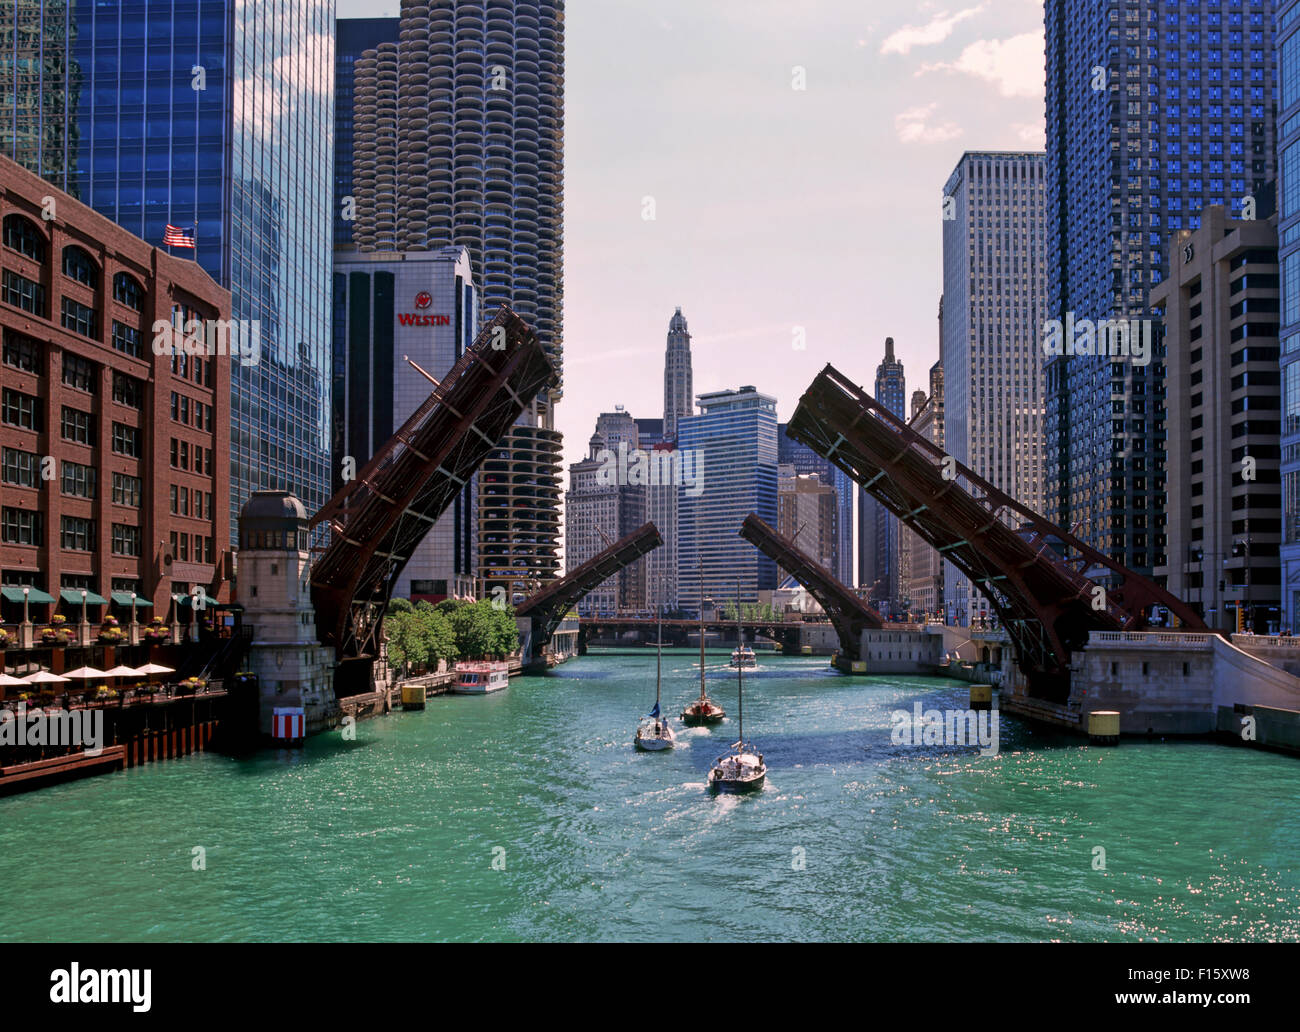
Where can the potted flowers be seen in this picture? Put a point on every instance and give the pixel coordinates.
(4, 638)
(110, 631)
(191, 685)
(157, 631)
(57, 631)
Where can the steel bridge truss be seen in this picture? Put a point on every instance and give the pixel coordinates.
(849, 614)
(549, 606)
(379, 518)
(1037, 577)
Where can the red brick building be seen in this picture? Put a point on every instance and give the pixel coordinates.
(114, 459)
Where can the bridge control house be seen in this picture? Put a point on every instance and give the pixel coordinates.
(114, 459)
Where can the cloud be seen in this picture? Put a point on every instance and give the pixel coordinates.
(912, 128)
(935, 31)
(1015, 65)
(1032, 134)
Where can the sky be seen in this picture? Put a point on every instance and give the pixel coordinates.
(777, 210)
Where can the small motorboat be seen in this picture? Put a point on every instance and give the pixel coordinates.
(743, 656)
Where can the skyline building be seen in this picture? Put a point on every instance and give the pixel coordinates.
(1288, 203)
(458, 135)
(994, 282)
(679, 384)
(160, 118)
(353, 37)
(733, 443)
(1224, 513)
(1153, 113)
(807, 462)
(806, 513)
(388, 307)
(878, 572)
(925, 587)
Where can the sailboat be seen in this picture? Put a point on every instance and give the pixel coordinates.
(703, 710)
(654, 733)
(742, 769)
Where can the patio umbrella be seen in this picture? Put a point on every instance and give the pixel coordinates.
(84, 673)
(155, 668)
(44, 677)
(122, 671)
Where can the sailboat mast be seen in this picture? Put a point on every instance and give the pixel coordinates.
(701, 629)
(659, 655)
(740, 670)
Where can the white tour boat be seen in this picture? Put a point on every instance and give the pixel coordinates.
(480, 678)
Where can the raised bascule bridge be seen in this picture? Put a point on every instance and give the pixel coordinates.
(378, 519)
(848, 613)
(549, 606)
(1080, 625)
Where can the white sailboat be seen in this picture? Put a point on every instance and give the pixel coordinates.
(742, 769)
(654, 733)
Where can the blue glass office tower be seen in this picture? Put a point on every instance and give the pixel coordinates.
(353, 37)
(734, 442)
(215, 114)
(1288, 198)
(1155, 109)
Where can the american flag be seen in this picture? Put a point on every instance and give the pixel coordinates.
(177, 237)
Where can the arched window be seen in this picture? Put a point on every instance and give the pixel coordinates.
(127, 291)
(79, 266)
(21, 234)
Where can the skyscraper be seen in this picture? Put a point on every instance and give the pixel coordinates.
(1154, 110)
(679, 388)
(353, 37)
(459, 140)
(807, 462)
(733, 439)
(212, 116)
(1288, 203)
(991, 332)
(877, 527)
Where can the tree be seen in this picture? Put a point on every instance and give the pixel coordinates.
(442, 637)
(408, 640)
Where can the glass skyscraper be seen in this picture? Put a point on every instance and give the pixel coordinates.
(1288, 202)
(1155, 109)
(734, 441)
(216, 116)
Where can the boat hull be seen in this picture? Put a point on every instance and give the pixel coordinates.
(486, 690)
(737, 785)
(692, 717)
(654, 744)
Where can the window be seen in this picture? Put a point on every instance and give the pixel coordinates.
(79, 373)
(79, 318)
(21, 235)
(207, 461)
(185, 454)
(19, 467)
(127, 390)
(22, 293)
(79, 266)
(21, 527)
(22, 353)
(126, 540)
(77, 535)
(126, 339)
(172, 493)
(126, 490)
(78, 479)
(127, 291)
(126, 440)
(21, 410)
(78, 426)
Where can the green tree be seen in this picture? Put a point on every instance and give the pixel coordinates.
(408, 640)
(442, 637)
(400, 605)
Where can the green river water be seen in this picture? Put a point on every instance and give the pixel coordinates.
(528, 815)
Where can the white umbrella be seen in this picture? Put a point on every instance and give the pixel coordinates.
(123, 671)
(85, 673)
(8, 681)
(155, 668)
(44, 677)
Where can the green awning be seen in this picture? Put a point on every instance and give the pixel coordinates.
(123, 598)
(33, 595)
(185, 600)
(73, 595)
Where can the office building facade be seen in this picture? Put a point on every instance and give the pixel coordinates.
(214, 117)
(1154, 111)
(991, 348)
(113, 465)
(807, 462)
(353, 37)
(878, 572)
(679, 385)
(1220, 309)
(732, 444)
(421, 305)
(1288, 212)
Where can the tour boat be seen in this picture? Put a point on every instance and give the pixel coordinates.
(654, 733)
(743, 656)
(480, 678)
(703, 710)
(742, 769)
